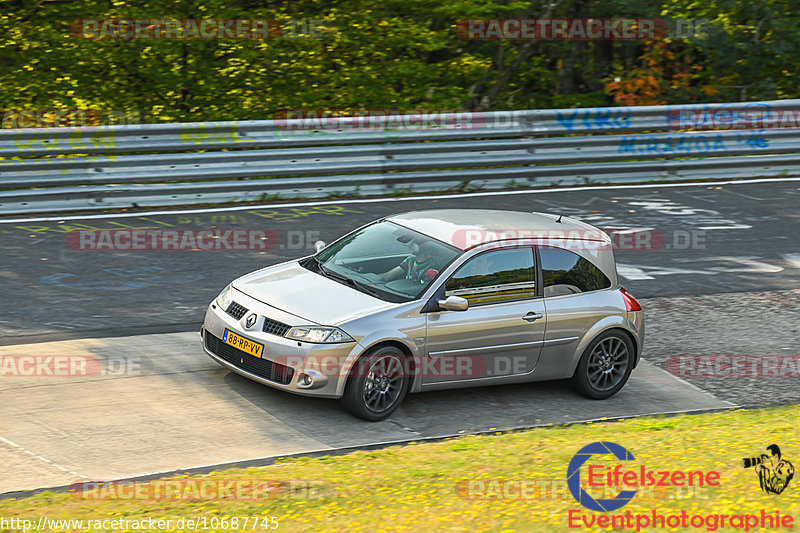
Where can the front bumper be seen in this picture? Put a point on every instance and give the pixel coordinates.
(284, 362)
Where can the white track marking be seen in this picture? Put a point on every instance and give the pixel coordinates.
(40, 458)
(632, 230)
(792, 259)
(746, 264)
(743, 264)
(736, 226)
(632, 273)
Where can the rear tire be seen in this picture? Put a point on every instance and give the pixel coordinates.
(377, 384)
(605, 366)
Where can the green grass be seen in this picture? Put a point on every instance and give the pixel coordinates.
(437, 486)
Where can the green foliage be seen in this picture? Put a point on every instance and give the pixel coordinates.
(749, 50)
(393, 55)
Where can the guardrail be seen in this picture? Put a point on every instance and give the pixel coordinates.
(111, 167)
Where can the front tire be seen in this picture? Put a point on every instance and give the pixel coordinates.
(377, 384)
(605, 366)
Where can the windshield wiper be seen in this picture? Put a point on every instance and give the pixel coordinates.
(353, 283)
(360, 286)
(324, 270)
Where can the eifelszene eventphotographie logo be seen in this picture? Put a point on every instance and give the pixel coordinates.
(601, 486)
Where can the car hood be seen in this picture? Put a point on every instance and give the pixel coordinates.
(306, 294)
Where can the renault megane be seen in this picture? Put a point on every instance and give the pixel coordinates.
(432, 300)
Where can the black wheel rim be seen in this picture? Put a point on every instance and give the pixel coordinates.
(608, 363)
(384, 383)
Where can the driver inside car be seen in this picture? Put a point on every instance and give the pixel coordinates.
(420, 266)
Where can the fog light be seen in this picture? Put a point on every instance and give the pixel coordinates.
(311, 379)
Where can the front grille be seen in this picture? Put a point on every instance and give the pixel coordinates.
(259, 366)
(274, 327)
(236, 311)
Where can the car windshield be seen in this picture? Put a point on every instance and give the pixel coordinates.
(385, 260)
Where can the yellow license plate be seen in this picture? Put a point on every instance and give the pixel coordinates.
(253, 348)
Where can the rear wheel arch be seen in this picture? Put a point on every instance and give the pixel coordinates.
(634, 343)
(599, 373)
(613, 328)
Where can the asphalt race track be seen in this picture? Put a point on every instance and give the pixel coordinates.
(719, 281)
(168, 407)
(717, 239)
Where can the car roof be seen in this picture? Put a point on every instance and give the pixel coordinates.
(451, 225)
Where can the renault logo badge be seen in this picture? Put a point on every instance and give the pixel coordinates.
(251, 320)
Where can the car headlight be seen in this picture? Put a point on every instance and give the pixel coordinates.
(225, 299)
(318, 334)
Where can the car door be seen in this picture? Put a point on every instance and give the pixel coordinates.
(502, 331)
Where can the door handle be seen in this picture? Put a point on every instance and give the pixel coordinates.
(530, 317)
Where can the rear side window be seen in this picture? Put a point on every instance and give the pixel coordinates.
(565, 272)
(495, 277)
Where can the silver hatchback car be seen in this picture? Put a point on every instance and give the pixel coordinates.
(433, 300)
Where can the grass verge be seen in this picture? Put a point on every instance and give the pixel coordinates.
(504, 482)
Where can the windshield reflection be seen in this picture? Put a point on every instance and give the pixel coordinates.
(385, 260)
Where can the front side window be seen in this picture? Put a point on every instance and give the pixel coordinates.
(565, 272)
(494, 277)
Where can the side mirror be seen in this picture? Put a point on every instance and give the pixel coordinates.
(319, 245)
(454, 303)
